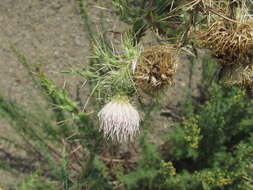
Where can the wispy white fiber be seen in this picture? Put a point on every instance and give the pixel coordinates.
(119, 120)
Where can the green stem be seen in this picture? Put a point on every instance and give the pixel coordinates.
(88, 166)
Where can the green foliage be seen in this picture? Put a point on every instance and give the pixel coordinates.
(55, 134)
(209, 72)
(162, 16)
(112, 70)
(147, 169)
(33, 182)
(209, 148)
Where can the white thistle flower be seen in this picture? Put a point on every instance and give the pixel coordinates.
(119, 120)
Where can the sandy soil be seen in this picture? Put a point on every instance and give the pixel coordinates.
(42, 30)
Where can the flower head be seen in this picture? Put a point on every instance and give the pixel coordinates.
(156, 66)
(230, 42)
(119, 120)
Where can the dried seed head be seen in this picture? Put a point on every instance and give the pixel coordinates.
(119, 120)
(230, 41)
(156, 66)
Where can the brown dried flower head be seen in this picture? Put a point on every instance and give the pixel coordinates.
(156, 66)
(230, 41)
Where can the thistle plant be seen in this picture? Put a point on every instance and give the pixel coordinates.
(230, 39)
(119, 120)
(124, 70)
(121, 72)
(209, 147)
(111, 75)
